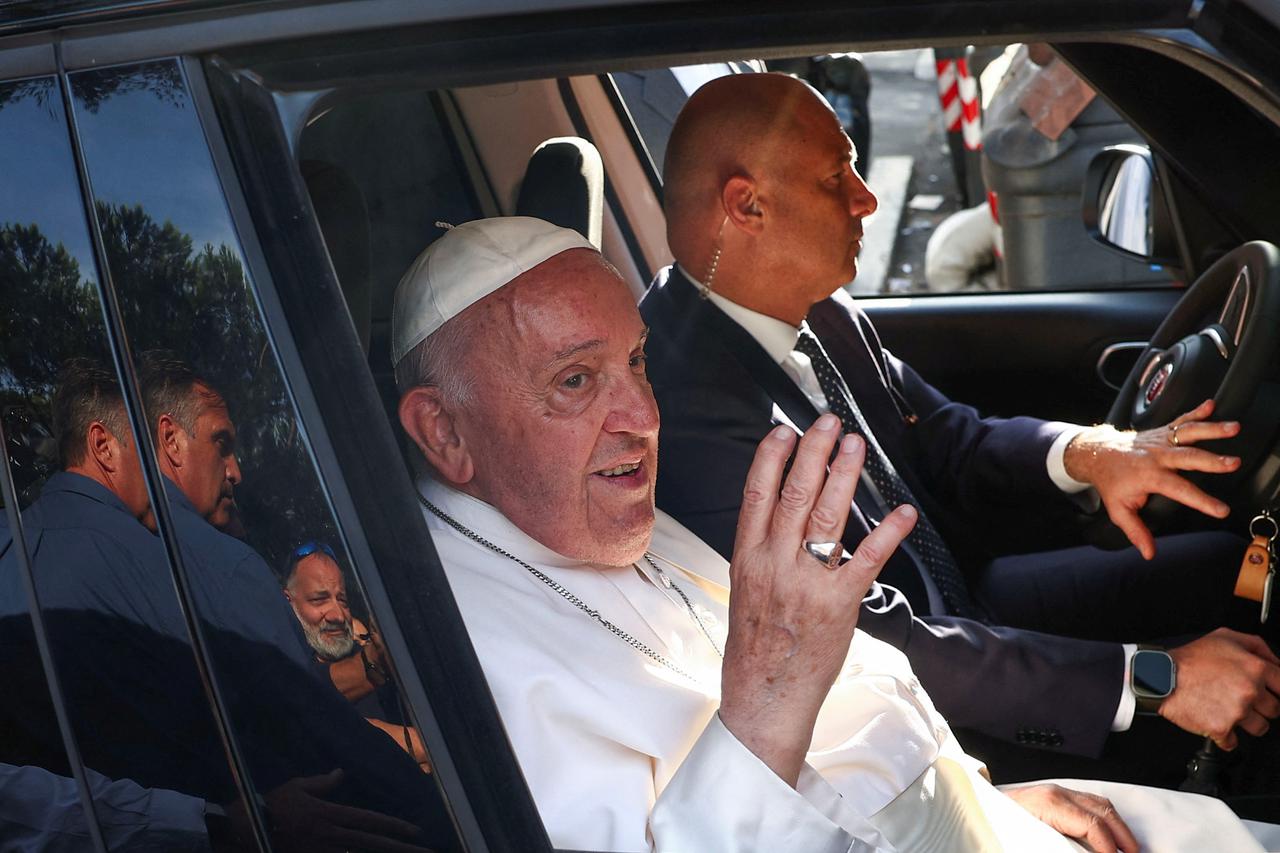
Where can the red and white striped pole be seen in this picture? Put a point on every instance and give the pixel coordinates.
(962, 117)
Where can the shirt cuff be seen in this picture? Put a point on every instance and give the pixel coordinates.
(1056, 462)
(1128, 702)
(723, 798)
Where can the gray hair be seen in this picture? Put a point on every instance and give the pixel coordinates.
(440, 361)
(171, 387)
(87, 391)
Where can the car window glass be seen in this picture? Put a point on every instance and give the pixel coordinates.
(305, 680)
(50, 321)
(977, 165)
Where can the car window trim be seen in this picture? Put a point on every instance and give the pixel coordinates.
(643, 154)
(565, 88)
(123, 362)
(463, 147)
(474, 764)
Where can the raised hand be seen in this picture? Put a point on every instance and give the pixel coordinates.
(1128, 467)
(791, 619)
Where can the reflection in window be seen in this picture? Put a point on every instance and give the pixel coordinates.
(245, 498)
(49, 317)
(50, 306)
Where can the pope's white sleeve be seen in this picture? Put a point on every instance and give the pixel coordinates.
(724, 799)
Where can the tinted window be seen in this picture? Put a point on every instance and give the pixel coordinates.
(245, 501)
(50, 317)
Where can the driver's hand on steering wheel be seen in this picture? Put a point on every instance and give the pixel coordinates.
(1127, 467)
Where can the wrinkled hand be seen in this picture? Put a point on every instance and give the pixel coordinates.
(1128, 467)
(1087, 818)
(791, 619)
(1225, 679)
(302, 821)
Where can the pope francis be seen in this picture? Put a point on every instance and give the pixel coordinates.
(650, 708)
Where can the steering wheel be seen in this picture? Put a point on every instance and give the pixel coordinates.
(1221, 341)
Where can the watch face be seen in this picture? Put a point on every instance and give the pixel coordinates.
(1152, 673)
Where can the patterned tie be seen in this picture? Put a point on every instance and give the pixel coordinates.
(888, 482)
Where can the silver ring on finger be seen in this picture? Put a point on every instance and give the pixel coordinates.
(827, 553)
(1173, 435)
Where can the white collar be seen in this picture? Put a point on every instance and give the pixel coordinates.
(777, 337)
(486, 520)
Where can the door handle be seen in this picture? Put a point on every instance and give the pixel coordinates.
(1117, 360)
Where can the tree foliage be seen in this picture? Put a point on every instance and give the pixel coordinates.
(195, 302)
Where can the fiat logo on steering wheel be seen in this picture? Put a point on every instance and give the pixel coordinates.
(1158, 383)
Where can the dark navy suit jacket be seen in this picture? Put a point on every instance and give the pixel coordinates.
(978, 478)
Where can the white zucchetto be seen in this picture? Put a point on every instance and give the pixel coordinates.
(464, 266)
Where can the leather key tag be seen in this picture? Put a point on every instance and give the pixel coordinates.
(1252, 581)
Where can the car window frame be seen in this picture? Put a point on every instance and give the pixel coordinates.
(391, 550)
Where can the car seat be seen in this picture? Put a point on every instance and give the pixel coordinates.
(564, 184)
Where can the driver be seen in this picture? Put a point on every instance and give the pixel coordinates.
(764, 217)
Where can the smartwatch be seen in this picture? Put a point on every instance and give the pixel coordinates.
(1152, 677)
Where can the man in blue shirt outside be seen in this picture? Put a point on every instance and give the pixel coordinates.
(120, 642)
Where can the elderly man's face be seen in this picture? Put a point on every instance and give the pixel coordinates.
(562, 426)
(319, 598)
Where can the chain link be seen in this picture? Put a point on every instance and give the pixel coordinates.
(568, 596)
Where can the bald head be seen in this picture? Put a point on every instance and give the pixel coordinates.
(759, 168)
(733, 125)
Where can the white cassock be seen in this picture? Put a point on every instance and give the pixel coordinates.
(623, 754)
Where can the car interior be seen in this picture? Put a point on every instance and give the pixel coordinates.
(567, 149)
(345, 154)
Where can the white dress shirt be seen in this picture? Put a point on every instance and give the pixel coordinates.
(778, 338)
(622, 753)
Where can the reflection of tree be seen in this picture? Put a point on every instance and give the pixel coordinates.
(162, 79)
(48, 312)
(39, 89)
(196, 303)
(46, 317)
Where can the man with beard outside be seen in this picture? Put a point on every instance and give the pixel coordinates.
(314, 585)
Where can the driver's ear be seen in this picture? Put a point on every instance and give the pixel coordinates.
(740, 198)
(433, 428)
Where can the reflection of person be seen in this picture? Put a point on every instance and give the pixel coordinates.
(141, 711)
(775, 219)
(355, 658)
(35, 805)
(195, 438)
(314, 586)
(37, 810)
(601, 624)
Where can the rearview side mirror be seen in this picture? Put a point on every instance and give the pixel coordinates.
(1124, 205)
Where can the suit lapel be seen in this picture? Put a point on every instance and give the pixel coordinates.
(743, 348)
